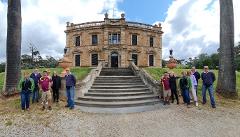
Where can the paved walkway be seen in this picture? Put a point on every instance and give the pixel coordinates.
(167, 121)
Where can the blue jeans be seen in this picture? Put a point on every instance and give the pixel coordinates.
(186, 97)
(211, 94)
(35, 95)
(70, 97)
(25, 99)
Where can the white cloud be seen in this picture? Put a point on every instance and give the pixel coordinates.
(44, 22)
(192, 27)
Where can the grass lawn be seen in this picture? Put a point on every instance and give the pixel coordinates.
(156, 73)
(79, 72)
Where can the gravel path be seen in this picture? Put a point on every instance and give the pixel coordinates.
(167, 121)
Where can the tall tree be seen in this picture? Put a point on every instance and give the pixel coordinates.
(14, 36)
(227, 75)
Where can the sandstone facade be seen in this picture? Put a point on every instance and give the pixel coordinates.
(114, 41)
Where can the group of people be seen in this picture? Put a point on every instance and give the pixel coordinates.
(32, 85)
(188, 85)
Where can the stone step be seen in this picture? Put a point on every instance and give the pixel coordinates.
(117, 104)
(119, 94)
(117, 77)
(114, 99)
(115, 74)
(119, 90)
(119, 87)
(137, 78)
(122, 110)
(115, 84)
(117, 81)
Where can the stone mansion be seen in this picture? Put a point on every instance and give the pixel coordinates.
(114, 41)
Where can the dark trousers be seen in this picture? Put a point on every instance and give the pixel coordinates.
(186, 97)
(55, 95)
(35, 95)
(174, 93)
(25, 99)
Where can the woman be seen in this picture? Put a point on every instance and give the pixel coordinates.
(184, 86)
(173, 86)
(56, 86)
(26, 85)
(193, 82)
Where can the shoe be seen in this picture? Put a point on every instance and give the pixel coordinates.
(178, 103)
(196, 104)
(71, 108)
(213, 106)
(27, 109)
(43, 108)
(66, 106)
(49, 108)
(164, 103)
(203, 103)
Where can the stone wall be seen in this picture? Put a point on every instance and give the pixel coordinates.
(154, 85)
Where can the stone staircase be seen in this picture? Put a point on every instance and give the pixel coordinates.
(118, 90)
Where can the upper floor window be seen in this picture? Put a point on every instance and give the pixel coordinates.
(134, 39)
(77, 41)
(94, 39)
(151, 41)
(114, 38)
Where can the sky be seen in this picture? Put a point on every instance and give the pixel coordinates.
(191, 27)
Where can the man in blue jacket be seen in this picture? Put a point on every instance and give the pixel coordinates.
(36, 77)
(208, 79)
(70, 88)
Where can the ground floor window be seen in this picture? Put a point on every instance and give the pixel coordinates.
(135, 58)
(94, 59)
(151, 60)
(77, 60)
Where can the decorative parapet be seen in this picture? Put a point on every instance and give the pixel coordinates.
(116, 22)
(153, 84)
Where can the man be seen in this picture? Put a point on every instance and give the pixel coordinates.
(26, 85)
(70, 88)
(45, 84)
(56, 86)
(36, 77)
(197, 77)
(208, 79)
(166, 88)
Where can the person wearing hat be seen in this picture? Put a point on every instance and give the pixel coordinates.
(70, 88)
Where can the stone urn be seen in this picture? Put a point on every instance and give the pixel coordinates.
(172, 63)
(65, 63)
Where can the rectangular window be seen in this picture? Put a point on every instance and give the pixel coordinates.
(77, 60)
(135, 58)
(134, 39)
(151, 60)
(151, 41)
(94, 39)
(114, 38)
(94, 59)
(77, 41)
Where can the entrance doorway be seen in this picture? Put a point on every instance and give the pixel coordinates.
(114, 60)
